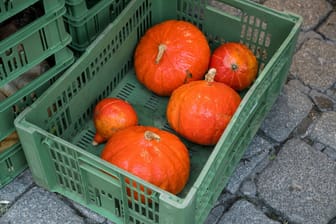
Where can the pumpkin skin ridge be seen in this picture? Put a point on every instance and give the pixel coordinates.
(228, 58)
(112, 114)
(169, 161)
(112, 152)
(167, 85)
(116, 110)
(240, 55)
(166, 185)
(124, 149)
(146, 171)
(224, 117)
(212, 118)
(176, 154)
(177, 119)
(187, 96)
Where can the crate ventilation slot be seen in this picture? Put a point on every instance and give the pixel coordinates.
(126, 91)
(86, 139)
(152, 102)
(66, 167)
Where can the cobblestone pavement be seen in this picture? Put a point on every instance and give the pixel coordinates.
(288, 173)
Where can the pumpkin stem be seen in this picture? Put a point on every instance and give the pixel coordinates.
(151, 136)
(210, 76)
(97, 139)
(234, 67)
(161, 49)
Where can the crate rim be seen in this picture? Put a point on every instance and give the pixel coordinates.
(92, 12)
(22, 33)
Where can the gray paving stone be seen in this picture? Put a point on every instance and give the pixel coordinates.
(17, 187)
(304, 36)
(323, 129)
(298, 85)
(91, 216)
(257, 150)
(318, 146)
(222, 204)
(328, 28)
(243, 212)
(333, 2)
(322, 101)
(300, 184)
(262, 165)
(312, 11)
(332, 92)
(215, 214)
(39, 206)
(312, 64)
(256, 147)
(330, 152)
(290, 108)
(243, 170)
(249, 188)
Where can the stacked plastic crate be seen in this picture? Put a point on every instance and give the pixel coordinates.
(86, 19)
(33, 54)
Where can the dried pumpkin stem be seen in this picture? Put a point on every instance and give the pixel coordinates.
(151, 136)
(210, 76)
(161, 49)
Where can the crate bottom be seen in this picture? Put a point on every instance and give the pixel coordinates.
(151, 112)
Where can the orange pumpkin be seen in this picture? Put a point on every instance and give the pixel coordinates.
(200, 110)
(110, 115)
(155, 155)
(170, 54)
(236, 65)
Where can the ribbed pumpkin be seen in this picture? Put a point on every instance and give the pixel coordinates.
(200, 110)
(110, 115)
(155, 155)
(236, 65)
(170, 54)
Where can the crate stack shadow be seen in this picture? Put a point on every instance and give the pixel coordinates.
(57, 131)
(33, 55)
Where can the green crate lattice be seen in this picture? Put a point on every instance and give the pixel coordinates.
(43, 38)
(86, 19)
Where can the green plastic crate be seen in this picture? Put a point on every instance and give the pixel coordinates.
(12, 163)
(43, 39)
(86, 19)
(8, 8)
(12, 160)
(32, 44)
(57, 129)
